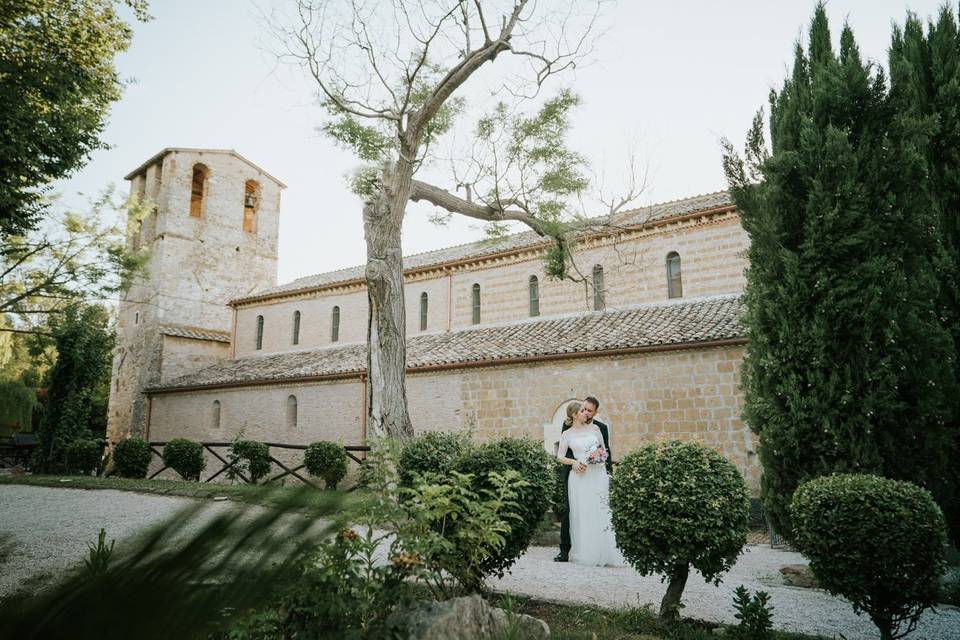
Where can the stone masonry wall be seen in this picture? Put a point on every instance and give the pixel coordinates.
(712, 251)
(682, 394)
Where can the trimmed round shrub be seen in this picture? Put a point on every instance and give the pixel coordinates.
(877, 542)
(185, 457)
(326, 460)
(131, 458)
(536, 467)
(83, 456)
(252, 458)
(676, 505)
(432, 452)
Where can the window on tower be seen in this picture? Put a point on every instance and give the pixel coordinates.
(198, 189)
(251, 202)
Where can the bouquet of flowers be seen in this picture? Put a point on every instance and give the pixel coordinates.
(597, 454)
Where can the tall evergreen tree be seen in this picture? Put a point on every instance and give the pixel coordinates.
(925, 90)
(84, 343)
(849, 367)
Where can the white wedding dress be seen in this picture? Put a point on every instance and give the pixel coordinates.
(591, 532)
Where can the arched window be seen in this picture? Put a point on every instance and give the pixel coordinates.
(296, 327)
(423, 311)
(534, 297)
(136, 317)
(216, 414)
(259, 332)
(476, 303)
(198, 189)
(674, 281)
(291, 411)
(599, 301)
(335, 325)
(251, 201)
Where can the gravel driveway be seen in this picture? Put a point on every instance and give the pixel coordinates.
(51, 528)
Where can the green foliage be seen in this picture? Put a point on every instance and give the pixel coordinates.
(432, 452)
(925, 91)
(754, 613)
(248, 458)
(326, 460)
(559, 497)
(84, 341)
(131, 458)
(83, 456)
(851, 364)
(185, 457)
(528, 459)
(192, 574)
(679, 504)
(98, 562)
(877, 542)
(57, 82)
(16, 407)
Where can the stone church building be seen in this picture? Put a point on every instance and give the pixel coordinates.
(210, 346)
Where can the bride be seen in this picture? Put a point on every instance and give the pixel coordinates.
(587, 493)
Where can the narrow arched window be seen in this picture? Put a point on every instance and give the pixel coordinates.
(198, 189)
(476, 304)
(534, 296)
(599, 301)
(216, 414)
(291, 411)
(251, 201)
(674, 279)
(335, 325)
(296, 327)
(259, 332)
(423, 311)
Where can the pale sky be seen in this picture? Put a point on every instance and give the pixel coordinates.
(673, 76)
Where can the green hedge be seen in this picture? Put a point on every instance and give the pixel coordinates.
(131, 458)
(185, 457)
(877, 542)
(252, 458)
(326, 460)
(83, 456)
(432, 452)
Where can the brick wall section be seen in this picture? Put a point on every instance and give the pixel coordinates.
(196, 266)
(685, 394)
(712, 250)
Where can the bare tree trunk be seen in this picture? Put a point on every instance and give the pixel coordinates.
(669, 606)
(387, 413)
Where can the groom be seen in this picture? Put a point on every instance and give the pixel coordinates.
(591, 404)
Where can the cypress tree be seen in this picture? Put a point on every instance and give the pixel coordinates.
(849, 367)
(925, 90)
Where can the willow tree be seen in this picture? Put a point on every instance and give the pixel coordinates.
(393, 78)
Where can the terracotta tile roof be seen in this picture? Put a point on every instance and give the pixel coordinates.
(512, 242)
(181, 331)
(650, 325)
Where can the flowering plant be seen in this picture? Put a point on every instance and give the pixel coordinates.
(597, 454)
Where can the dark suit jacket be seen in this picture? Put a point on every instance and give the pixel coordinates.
(604, 431)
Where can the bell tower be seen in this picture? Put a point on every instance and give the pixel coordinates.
(210, 232)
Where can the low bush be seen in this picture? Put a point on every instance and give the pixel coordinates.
(326, 460)
(83, 456)
(755, 614)
(877, 542)
(559, 498)
(249, 458)
(131, 458)
(677, 505)
(432, 452)
(185, 457)
(537, 470)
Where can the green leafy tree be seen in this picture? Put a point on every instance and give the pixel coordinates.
(84, 340)
(393, 78)
(849, 366)
(57, 82)
(925, 90)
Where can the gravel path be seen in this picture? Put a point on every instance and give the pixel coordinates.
(51, 528)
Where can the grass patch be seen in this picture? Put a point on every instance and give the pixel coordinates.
(266, 495)
(585, 622)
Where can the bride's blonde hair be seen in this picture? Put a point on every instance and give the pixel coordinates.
(572, 410)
